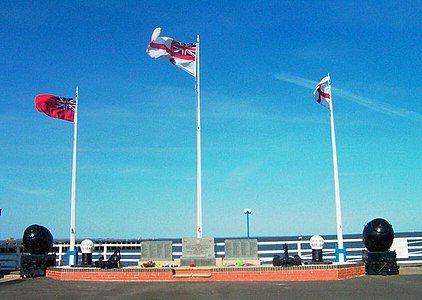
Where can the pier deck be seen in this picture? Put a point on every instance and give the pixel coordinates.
(405, 285)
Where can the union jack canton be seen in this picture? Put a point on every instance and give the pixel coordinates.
(66, 103)
(184, 51)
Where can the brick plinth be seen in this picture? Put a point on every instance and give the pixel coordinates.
(301, 273)
(126, 274)
(261, 273)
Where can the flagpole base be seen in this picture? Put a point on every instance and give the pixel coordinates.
(340, 254)
(72, 257)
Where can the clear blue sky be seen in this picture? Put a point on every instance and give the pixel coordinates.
(266, 143)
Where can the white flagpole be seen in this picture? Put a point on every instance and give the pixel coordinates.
(198, 147)
(340, 252)
(73, 196)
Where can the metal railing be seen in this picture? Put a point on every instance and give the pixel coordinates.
(131, 252)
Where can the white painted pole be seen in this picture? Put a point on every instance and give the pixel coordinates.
(198, 147)
(73, 196)
(336, 181)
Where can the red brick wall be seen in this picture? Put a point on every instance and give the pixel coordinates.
(110, 276)
(351, 272)
(221, 274)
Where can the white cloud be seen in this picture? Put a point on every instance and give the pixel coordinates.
(28, 190)
(372, 104)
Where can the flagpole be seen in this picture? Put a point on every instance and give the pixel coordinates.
(72, 254)
(340, 253)
(198, 147)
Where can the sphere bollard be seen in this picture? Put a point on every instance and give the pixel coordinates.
(87, 247)
(38, 241)
(317, 243)
(378, 236)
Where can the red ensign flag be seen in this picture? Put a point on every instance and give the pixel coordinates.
(56, 107)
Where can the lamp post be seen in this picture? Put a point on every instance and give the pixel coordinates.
(247, 212)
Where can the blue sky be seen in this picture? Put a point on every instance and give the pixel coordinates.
(266, 143)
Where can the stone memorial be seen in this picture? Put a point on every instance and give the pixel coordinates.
(245, 250)
(157, 251)
(198, 251)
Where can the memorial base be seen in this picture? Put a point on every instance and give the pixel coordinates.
(198, 261)
(160, 263)
(245, 261)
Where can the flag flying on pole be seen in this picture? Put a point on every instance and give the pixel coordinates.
(179, 54)
(322, 92)
(56, 107)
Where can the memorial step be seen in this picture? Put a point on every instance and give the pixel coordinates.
(192, 275)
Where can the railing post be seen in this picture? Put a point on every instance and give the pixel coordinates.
(105, 251)
(18, 254)
(299, 245)
(299, 248)
(60, 254)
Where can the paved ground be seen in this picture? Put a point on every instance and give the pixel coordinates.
(406, 285)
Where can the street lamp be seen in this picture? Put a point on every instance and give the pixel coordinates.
(247, 212)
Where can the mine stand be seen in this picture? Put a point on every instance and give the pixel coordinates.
(38, 242)
(378, 236)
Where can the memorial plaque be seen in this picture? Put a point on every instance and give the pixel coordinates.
(198, 251)
(241, 249)
(156, 251)
(198, 247)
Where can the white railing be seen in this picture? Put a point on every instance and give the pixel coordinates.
(131, 252)
(105, 252)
